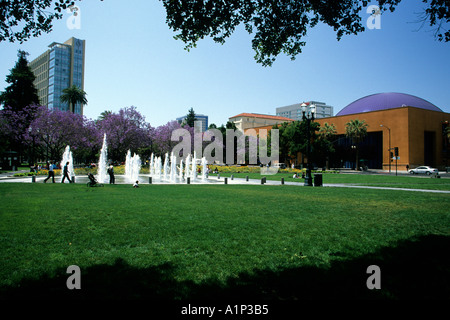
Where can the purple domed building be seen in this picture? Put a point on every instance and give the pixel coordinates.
(386, 101)
(395, 120)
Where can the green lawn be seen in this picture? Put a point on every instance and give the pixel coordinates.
(376, 180)
(222, 241)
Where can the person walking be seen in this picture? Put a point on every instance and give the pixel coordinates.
(51, 173)
(112, 179)
(66, 173)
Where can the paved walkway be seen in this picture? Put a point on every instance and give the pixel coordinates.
(10, 174)
(7, 177)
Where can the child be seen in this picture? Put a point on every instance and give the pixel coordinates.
(136, 184)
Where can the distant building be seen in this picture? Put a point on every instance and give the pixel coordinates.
(58, 68)
(245, 121)
(294, 111)
(411, 125)
(200, 117)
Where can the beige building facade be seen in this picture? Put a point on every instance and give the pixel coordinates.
(244, 121)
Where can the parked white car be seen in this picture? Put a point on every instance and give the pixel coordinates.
(424, 169)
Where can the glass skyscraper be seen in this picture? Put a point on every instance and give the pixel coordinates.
(60, 67)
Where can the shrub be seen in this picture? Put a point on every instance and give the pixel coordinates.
(25, 174)
(257, 169)
(120, 170)
(235, 169)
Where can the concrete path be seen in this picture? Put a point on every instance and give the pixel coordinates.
(5, 178)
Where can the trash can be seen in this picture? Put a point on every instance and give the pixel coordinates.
(317, 180)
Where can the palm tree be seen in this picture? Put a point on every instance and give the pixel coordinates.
(357, 131)
(72, 96)
(326, 133)
(104, 115)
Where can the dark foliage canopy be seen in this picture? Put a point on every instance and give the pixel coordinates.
(280, 26)
(32, 16)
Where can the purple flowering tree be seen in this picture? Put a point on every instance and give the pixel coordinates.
(126, 130)
(162, 138)
(52, 130)
(89, 142)
(13, 127)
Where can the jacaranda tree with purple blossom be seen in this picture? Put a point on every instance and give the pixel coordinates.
(162, 138)
(52, 130)
(126, 130)
(14, 125)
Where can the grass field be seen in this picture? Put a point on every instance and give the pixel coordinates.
(377, 180)
(222, 241)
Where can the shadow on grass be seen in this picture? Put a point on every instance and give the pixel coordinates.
(414, 269)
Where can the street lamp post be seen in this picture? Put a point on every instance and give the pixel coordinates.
(31, 159)
(389, 152)
(308, 117)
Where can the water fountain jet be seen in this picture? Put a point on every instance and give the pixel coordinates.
(67, 157)
(102, 163)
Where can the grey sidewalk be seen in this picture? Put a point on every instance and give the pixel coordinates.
(11, 173)
(7, 178)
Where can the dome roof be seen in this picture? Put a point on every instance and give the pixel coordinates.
(384, 101)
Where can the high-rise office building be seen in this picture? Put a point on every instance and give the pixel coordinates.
(58, 68)
(294, 111)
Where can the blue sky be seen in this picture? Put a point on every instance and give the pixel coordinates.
(132, 59)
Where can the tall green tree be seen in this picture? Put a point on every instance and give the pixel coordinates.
(72, 96)
(326, 135)
(295, 136)
(283, 143)
(293, 140)
(303, 142)
(229, 125)
(357, 131)
(223, 129)
(190, 118)
(21, 91)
